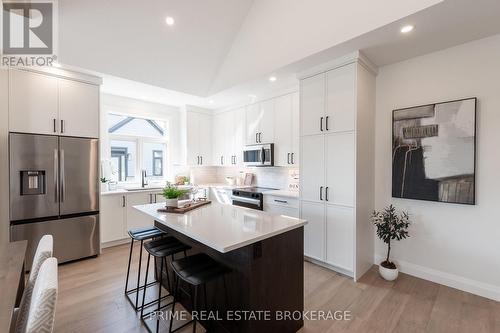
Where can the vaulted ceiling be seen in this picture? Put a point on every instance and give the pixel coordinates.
(214, 44)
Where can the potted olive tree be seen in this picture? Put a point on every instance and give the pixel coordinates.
(391, 226)
(172, 194)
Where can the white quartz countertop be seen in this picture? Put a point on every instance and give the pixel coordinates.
(283, 193)
(224, 227)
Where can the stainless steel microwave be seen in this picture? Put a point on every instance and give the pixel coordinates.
(259, 155)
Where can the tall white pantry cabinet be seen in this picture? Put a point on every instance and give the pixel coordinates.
(337, 107)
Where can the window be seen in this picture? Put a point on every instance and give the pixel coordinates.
(137, 144)
(157, 163)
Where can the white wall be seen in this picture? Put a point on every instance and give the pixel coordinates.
(457, 245)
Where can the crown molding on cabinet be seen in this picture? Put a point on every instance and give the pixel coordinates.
(64, 74)
(350, 58)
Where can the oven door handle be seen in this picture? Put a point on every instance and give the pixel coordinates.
(263, 155)
(247, 200)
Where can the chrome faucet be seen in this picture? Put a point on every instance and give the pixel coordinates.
(144, 181)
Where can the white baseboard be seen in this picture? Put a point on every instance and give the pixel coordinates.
(340, 270)
(115, 243)
(451, 280)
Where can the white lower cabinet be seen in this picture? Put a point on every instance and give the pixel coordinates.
(118, 214)
(340, 236)
(136, 219)
(314, 230)
(113, 218)
(281, 205)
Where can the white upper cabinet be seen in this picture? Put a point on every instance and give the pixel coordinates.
(238, 135)
(266, 122)
(253, 118)
(78, 109)
(283, 143)
(219, 139)
(312, 99)
(295, 129)
(33, 103)
(205, 137)
(341, 99)
(229, 131)
(260, 122)
(44, 104)
(198, 140)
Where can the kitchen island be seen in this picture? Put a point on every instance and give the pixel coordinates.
(265, 290)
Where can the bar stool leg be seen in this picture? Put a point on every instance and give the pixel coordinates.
(176, 290)
(138, 277)
(194, 307)
(159, 298)
(129, 259)
(145, 284)
(168, 275)
(206, 306)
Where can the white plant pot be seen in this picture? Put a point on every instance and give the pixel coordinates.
(387, 273)
(104, 187)
(172, 203)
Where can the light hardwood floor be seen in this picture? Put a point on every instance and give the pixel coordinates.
(91, 300)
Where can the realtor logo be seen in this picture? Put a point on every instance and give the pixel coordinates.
(27, 28)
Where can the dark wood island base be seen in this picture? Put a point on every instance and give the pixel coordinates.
(265, 290)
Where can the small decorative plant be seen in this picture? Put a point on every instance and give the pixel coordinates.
(391, 226)
(104, 180)
(172, 194)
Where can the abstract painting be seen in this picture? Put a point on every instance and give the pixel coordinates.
(433, 152)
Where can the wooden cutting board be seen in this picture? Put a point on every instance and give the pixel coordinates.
(185, 208)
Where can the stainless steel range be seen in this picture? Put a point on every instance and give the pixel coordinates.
(250, 197)
(54, 189)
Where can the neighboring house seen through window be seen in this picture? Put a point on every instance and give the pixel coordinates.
(137, 144)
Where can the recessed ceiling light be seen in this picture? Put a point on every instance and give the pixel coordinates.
(272, 78)
(407, 28)
(211, 101)
(169, 20)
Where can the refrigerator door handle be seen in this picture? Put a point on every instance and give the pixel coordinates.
(63, 182)
(56, 174)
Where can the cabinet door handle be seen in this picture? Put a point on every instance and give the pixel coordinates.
(326, 193)
(288, 158)
(321, 124)
(281, 201)
(256, 137)
(156, 198)
(293, 162)
(326, 122)
(222, 160)
(321, 193)
(62, 126)
(55, 125)
(260, 137)
(123, 201)
(201, 163)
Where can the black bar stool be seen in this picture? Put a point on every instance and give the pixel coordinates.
(160, 249)
(140, 234)
(196, 270)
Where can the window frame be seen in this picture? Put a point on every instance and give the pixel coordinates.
(140, 141)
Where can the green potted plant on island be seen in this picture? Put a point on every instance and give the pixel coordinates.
(391, 226)
(172, 193)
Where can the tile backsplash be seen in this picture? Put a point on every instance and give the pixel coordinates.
(274, 177)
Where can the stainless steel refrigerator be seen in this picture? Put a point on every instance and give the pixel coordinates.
(54, 189)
